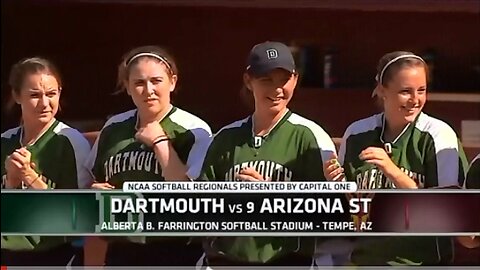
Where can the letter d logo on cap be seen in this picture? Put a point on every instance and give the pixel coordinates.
(272, 53)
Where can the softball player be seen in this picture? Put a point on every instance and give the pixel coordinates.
(156, 141)
(401, 148)
(42, 153)
(273, 144)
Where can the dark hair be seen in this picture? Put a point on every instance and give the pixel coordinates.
(394, 67)
(31, 66)
(133, 56)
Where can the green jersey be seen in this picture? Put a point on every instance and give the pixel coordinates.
(117, 156)
(473, 175)
(428, 151)
(293, 150)
(59, 154)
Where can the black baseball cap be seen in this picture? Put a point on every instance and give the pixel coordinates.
(267, 56)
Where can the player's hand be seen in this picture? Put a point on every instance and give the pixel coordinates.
(13, 178)
(380, 158)
(332, 169)
(22, 166)
(149, 133)
(106, 185)
(250, 174)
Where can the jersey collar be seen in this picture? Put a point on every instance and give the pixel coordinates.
(169, 112)
(52, 124)
(282, 119)
(401, 133)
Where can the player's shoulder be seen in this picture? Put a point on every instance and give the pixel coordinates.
(10, 133)
(311, 131)
(188, 120)
(120, 118)
(364, 125)
(435, 127)
(73, 136)
(232, 127)
(301, 122)
(440, 132)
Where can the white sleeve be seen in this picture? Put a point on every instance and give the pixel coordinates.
(447, 157)
(196, 157)
(81, 148)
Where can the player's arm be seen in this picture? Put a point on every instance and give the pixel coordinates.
(20, 166)
(9, 181)
(445, 162)
(75, 153)
(332, 169)
(203, 138)
(313, 158)
(153, 135)
(173, 168)
(319, 149)
(381, 159)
